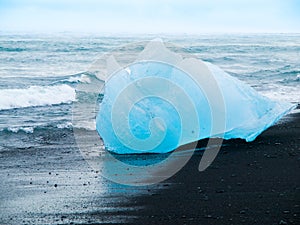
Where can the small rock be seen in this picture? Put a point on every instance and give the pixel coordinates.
(55, 185)
(242, 212)
(208, 216)
(281, 222)
(205, 198)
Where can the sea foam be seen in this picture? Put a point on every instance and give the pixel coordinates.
(36, 96)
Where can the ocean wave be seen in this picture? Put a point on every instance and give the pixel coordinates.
(67, 125)
(85, 125)
(82, 77)
(291, 80)
(11, 49)
(26, 129)
(89, 125)
(36, 96)
(282, 93)
(77, 78)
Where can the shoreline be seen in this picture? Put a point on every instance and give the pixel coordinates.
(248, 183)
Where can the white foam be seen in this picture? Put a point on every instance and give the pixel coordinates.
(83, 79)
(87, 125)
(64, 125)
(28, 130)
(36, 96)
(282, 93)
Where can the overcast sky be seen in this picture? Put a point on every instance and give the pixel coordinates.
(150, 16)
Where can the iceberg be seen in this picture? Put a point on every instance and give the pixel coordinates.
(163, 101)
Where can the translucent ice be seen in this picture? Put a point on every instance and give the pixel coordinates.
(163, 101)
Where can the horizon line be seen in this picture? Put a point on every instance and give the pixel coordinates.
(105, 33)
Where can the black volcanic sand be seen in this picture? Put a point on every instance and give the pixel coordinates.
(248, 183)
(48, 182)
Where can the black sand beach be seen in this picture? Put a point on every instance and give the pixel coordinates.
(248, 183)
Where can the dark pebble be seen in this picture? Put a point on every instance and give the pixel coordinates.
(282, 222)
(208, 216)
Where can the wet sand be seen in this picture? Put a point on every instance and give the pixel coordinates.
(248, 183)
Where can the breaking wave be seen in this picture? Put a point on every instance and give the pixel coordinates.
(36, 96)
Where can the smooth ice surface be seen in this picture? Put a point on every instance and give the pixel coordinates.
(154, 107)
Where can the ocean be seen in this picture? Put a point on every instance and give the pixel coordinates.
(39, 73)
(45, 180)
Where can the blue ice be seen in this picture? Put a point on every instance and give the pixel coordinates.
(154, 107)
